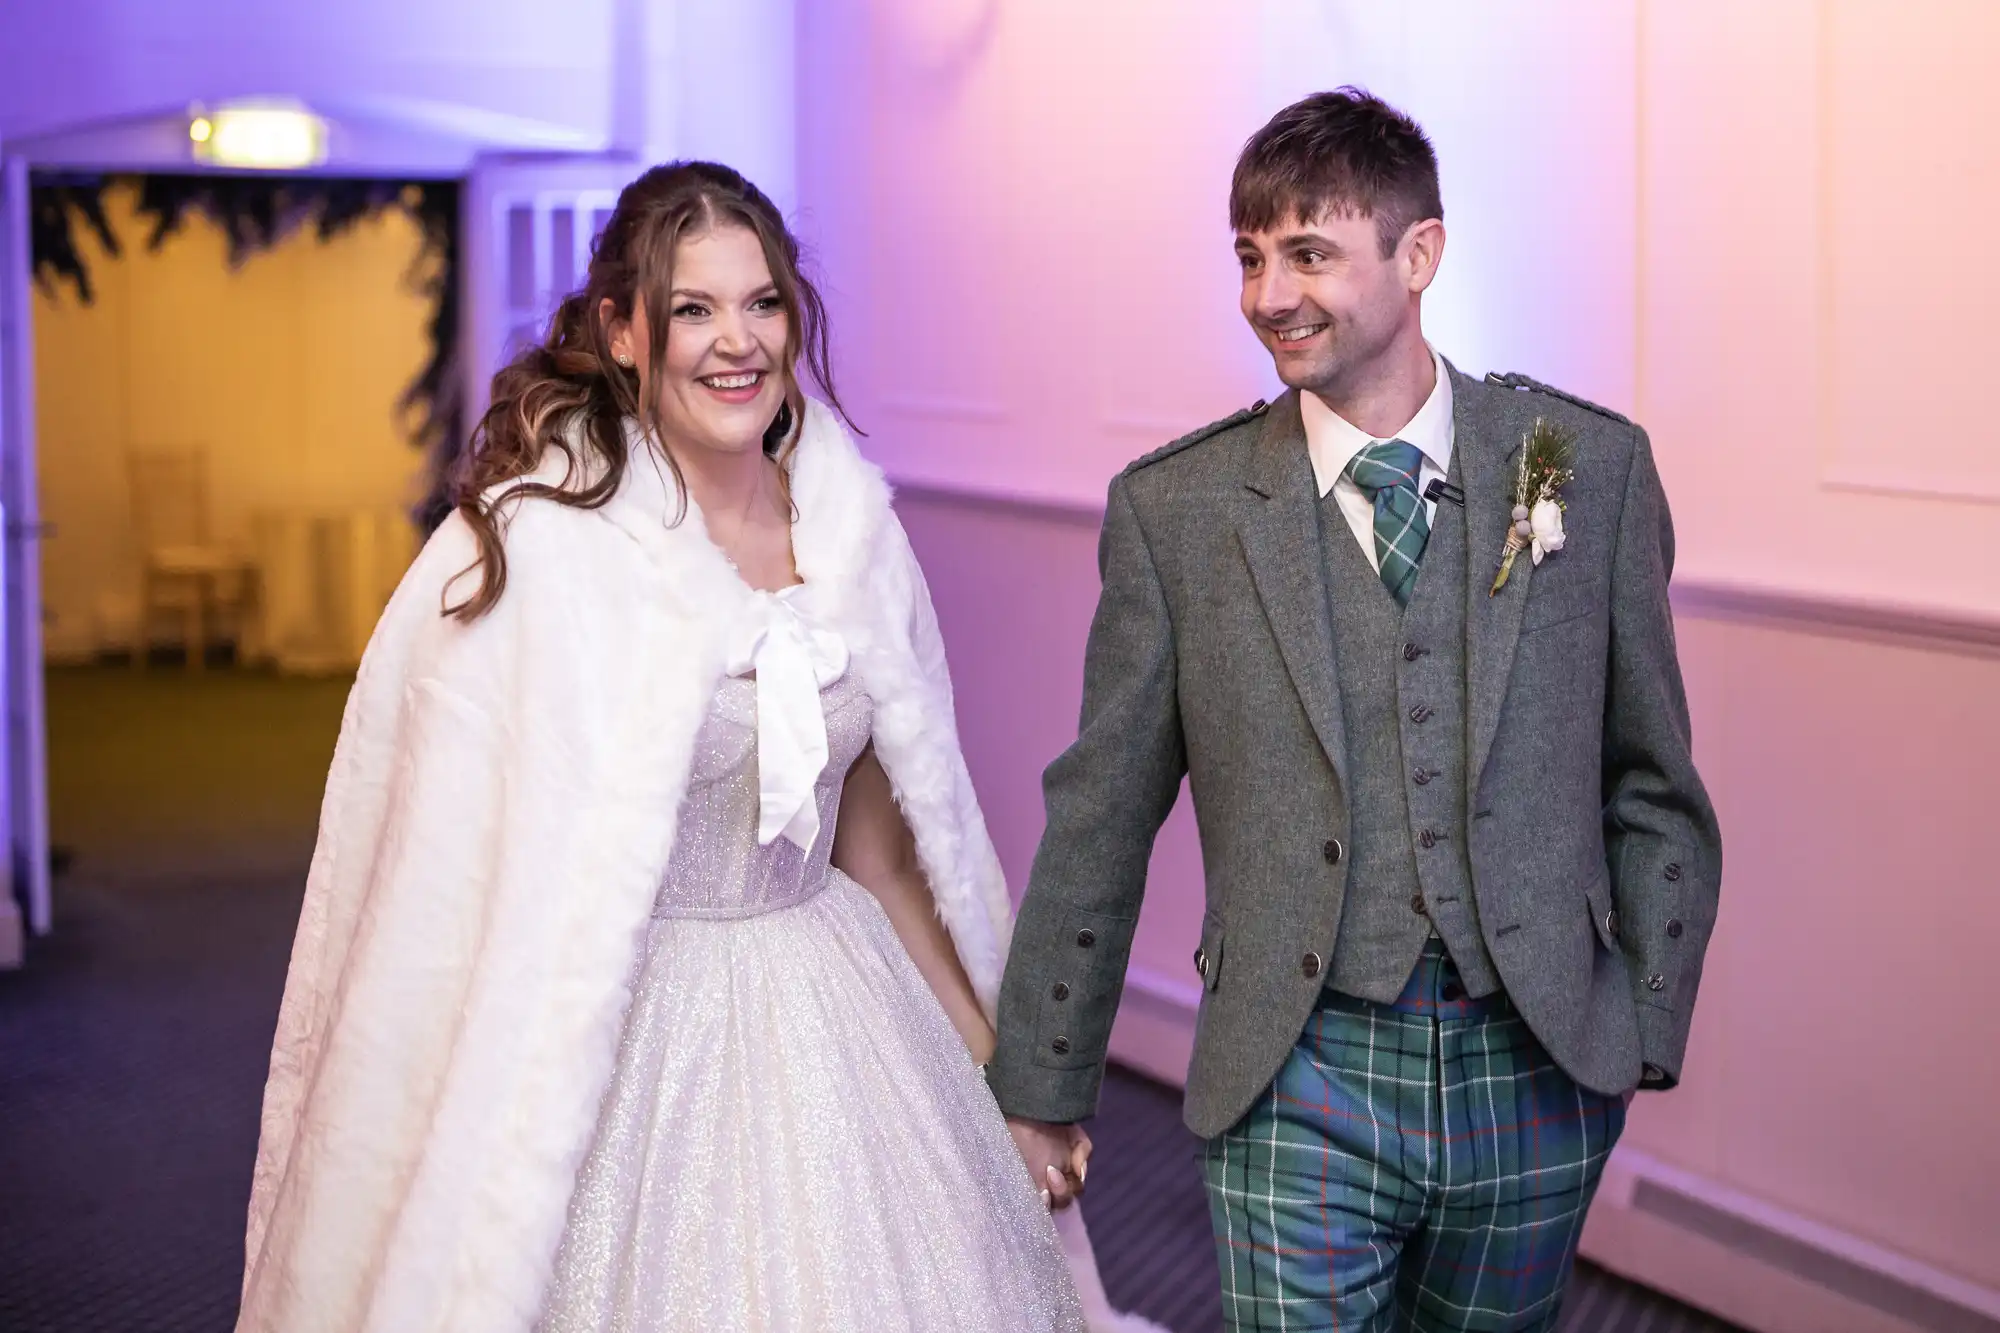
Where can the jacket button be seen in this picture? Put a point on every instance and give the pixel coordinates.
(1309, 965)
(1656, 982)
(1428, 838)
(1611, 923)
(1421, 713)
(1424, 776)
(1332, 851)
(1417, 904)
(1411, 652)
(1085, 938)
(1673, 871)
(1674, 929)
(1060, 1045)
(1060, 990)
(1201, 962)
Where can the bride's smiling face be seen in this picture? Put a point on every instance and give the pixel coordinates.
(725, 371)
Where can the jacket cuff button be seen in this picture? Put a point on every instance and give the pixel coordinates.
(1656, 982)
(1060, 990)
(1674, 929)
(1085, 938)
(1673, 871)
(1060, 1045)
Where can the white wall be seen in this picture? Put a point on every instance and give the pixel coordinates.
(95, 59)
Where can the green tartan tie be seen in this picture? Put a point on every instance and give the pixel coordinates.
(1387, 474)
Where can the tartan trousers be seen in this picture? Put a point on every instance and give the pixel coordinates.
(1416, 1166)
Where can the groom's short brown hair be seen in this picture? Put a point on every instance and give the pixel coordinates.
(1346, 151)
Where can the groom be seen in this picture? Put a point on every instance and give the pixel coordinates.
(1460, 868)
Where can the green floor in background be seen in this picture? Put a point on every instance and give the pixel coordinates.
(140, 762)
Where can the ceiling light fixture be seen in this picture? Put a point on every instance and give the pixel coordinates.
(258, 136)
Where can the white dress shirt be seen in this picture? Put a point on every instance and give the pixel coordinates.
(1333, 441)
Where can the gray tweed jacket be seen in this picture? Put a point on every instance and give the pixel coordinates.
(1595, 854)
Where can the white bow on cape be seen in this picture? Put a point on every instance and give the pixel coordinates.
(793, 657)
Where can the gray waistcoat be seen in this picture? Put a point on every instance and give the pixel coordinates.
(1405, 723)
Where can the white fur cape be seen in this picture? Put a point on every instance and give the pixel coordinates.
(497, 820)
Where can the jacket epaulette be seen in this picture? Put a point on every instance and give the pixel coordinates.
(1195, 437)
(1513, 380)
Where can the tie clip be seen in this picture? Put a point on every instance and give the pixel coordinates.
(1440, 489)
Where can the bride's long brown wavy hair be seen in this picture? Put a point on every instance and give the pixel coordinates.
(570, 392)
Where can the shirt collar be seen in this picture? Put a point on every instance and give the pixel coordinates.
(1333, 441)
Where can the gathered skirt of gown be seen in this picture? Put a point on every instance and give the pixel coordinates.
(795, 1136)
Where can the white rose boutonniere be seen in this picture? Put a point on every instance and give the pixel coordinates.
(1537, 525)
(1546, 520)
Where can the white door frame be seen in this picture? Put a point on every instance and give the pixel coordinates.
(24, 808)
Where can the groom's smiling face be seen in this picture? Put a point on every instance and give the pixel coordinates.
(1324, 299)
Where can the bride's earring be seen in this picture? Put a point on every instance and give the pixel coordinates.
(623, 358)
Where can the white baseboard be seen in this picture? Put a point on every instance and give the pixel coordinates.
(1678, 1232)
(1764, 1267)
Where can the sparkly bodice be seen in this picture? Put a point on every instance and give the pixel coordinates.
(718, 868)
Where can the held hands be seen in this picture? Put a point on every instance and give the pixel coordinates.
(1057, 1158)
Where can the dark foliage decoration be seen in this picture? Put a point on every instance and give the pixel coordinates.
(256, 213)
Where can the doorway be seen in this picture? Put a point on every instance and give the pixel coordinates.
(242, 385)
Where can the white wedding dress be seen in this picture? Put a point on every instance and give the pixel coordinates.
(795, 1136)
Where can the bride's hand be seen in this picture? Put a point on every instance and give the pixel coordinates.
(1057, 1158)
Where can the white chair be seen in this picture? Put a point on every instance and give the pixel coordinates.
(182, 570)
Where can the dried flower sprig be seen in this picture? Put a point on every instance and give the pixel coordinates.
(1547, 451)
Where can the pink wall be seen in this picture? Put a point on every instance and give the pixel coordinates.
(1015, 588)
(1685, 210)
(1716, 216)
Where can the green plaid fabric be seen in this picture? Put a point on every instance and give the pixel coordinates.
(1416, 1166)
(1387, 474)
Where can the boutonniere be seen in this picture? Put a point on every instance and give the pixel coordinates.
(1546, 452)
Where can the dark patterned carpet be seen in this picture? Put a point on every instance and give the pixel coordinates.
(132, 1048)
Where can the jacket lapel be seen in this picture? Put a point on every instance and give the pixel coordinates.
(1279, 528)
(1486, 443)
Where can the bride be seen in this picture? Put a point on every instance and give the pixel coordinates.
(651, 942)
